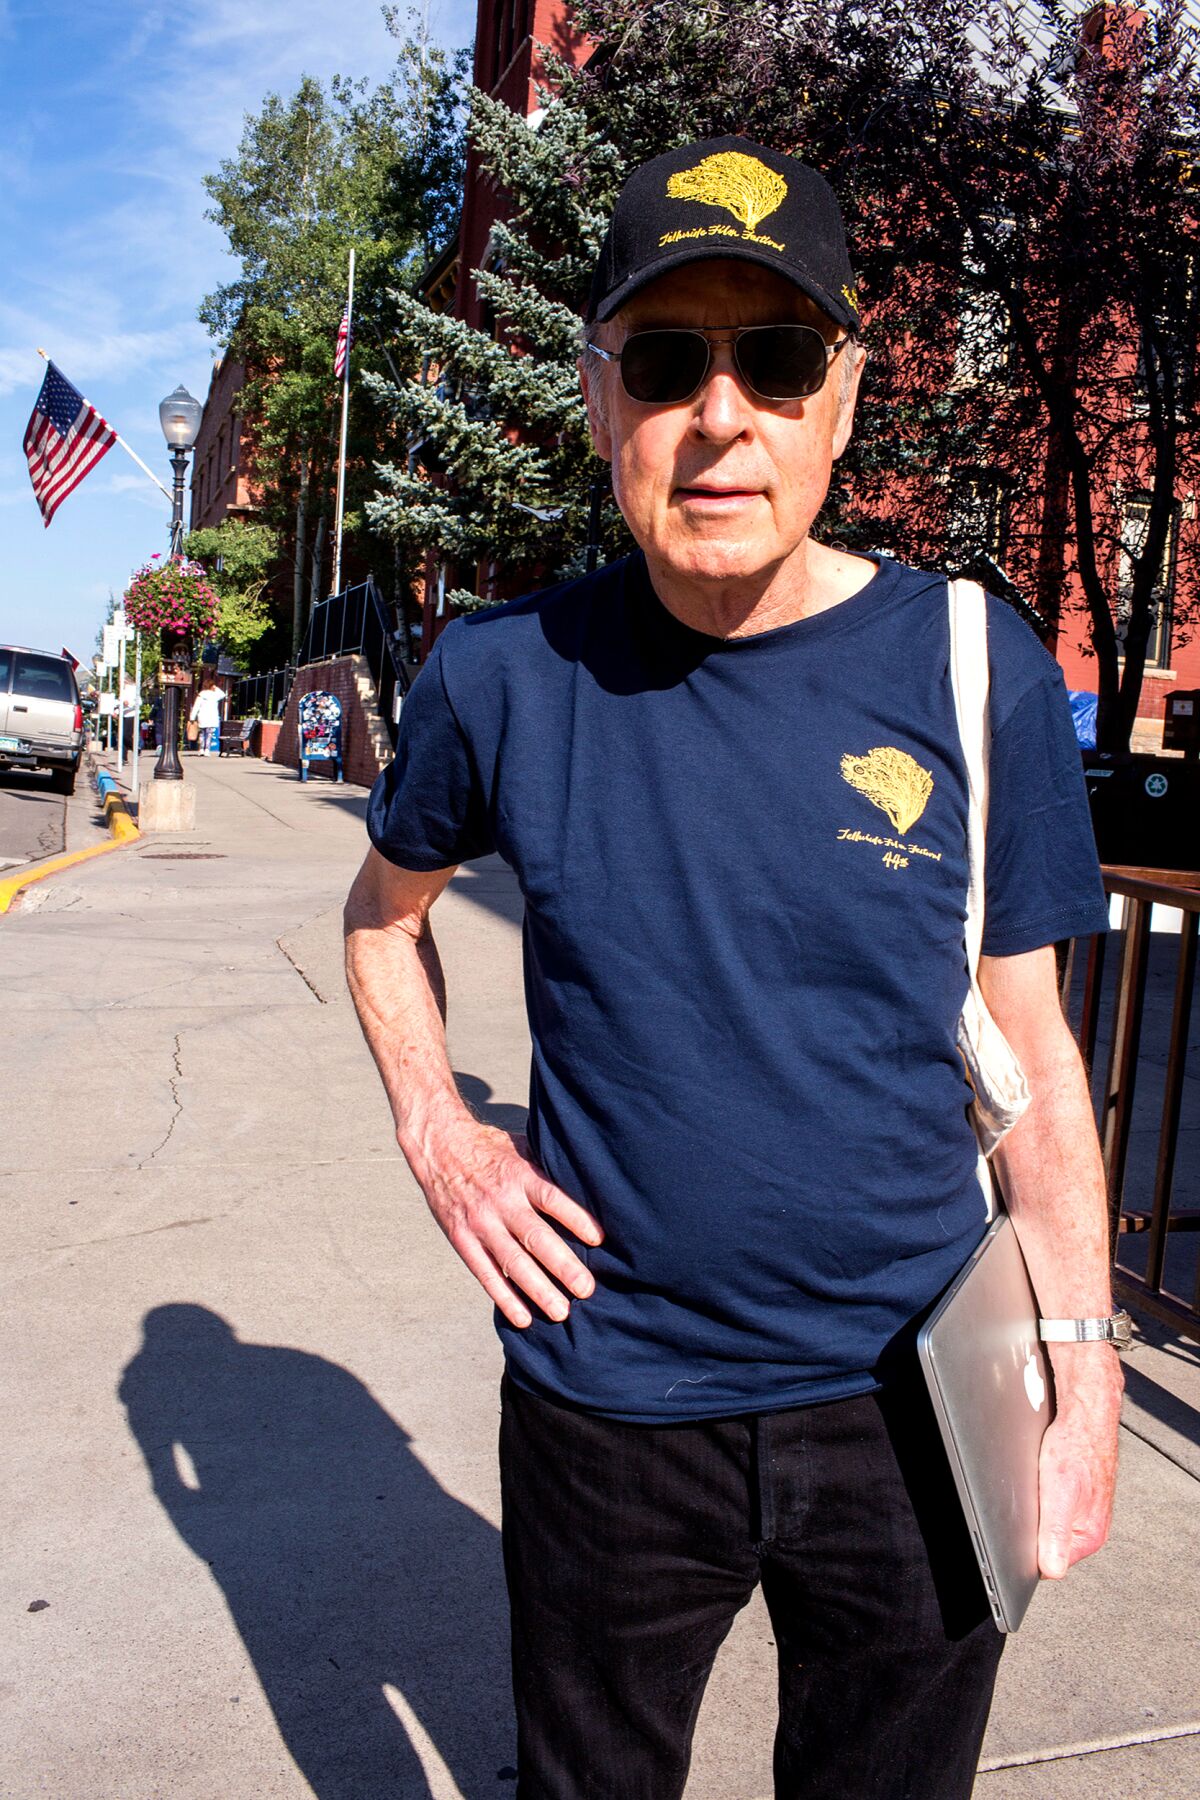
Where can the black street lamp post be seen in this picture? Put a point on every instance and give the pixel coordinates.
(180, 415)
(179, 461)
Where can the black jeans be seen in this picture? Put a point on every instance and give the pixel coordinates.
(630, 1548)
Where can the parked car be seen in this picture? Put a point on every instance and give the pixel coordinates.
(41, 719)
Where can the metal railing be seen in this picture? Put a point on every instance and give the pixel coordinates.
(356, 623)
(1144, 1099)
(353, 623)
(266, 694)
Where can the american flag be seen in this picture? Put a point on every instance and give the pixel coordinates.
(344, 341)
(64, 440)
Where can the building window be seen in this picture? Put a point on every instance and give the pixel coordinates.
(983, 341)
(977, 513)
(1135, 522)
(505, 31)
(1175, 317)
(983, 345)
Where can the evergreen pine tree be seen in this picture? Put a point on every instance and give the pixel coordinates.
(498, 469)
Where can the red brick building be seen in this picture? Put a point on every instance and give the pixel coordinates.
(509, 36)
(222, 464)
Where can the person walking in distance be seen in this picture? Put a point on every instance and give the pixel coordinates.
(207, 711)
(727, 773)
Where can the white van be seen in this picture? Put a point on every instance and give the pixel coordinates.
(41, 720)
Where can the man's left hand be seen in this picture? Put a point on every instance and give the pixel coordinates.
(1078, 1470)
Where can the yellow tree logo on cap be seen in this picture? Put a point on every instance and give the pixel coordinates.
(892, 781)
(741, 184)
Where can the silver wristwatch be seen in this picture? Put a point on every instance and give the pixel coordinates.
(1117, 1330)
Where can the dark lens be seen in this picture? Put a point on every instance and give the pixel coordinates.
(782, 362)
(662, 368)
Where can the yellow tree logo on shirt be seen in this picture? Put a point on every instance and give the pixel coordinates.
(891, 780)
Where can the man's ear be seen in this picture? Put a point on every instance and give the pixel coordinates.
(597, 412)
(849, 399)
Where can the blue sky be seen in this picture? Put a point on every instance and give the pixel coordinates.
(112, 111)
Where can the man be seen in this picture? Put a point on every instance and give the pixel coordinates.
(727, 774)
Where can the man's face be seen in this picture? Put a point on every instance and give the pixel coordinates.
(724, 486)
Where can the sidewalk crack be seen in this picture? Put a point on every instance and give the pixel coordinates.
(313, 990)
(1127, 1740)
(1158, 1449)
(173, 1082)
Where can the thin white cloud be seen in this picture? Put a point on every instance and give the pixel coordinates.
(85, 358)
(135, 485)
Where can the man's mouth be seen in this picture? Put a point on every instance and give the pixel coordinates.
(708, 494)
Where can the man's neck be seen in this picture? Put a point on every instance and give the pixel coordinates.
(811, 581)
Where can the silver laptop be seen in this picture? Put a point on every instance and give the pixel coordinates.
(990, 1383)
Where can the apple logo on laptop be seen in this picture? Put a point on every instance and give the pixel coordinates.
(1035, 1387)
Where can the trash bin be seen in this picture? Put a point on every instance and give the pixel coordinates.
(1145, 809)
(1181, 726)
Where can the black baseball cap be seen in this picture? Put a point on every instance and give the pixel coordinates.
(726, 197)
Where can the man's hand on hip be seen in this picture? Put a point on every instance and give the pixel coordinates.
(494, 1205)
(1079, 1457)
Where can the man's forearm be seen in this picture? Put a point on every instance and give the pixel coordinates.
(1053, 1181)
(493, 1204)
(395, 980)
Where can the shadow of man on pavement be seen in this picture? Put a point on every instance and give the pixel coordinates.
(344, 1564)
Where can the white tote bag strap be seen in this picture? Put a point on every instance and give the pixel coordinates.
(1001, 1092)
(971, 679)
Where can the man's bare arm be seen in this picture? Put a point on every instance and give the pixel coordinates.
(1053, 1180)
(488, 1198)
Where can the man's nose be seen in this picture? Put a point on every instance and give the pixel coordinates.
(722, 410)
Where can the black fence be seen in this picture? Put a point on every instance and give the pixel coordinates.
(266, 694)
(354, 623)
(1134, 1021)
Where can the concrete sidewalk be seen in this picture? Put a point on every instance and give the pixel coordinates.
(250, 1514)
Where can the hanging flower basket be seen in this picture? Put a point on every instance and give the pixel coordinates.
(174, 598)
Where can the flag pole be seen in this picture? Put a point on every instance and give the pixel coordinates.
(137, 717)
(341, 479)
(125, 447)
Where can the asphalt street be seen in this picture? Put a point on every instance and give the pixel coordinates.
(32, 818)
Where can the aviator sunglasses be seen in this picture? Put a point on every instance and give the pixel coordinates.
(776, 362)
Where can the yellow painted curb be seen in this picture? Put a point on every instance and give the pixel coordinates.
(12, 887)
(123, 831)
(119, 821)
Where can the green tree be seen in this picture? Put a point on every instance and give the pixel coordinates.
(1021, 200)
(497, 471)
(239, 557)
(316, 174)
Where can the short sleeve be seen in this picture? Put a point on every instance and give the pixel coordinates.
(428, 809)
(1043, 874)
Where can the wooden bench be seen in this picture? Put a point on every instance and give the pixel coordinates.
(236, 735)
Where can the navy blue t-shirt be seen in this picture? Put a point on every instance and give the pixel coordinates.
(744, 871)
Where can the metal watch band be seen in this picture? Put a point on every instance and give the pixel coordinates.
(1118, 1330)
